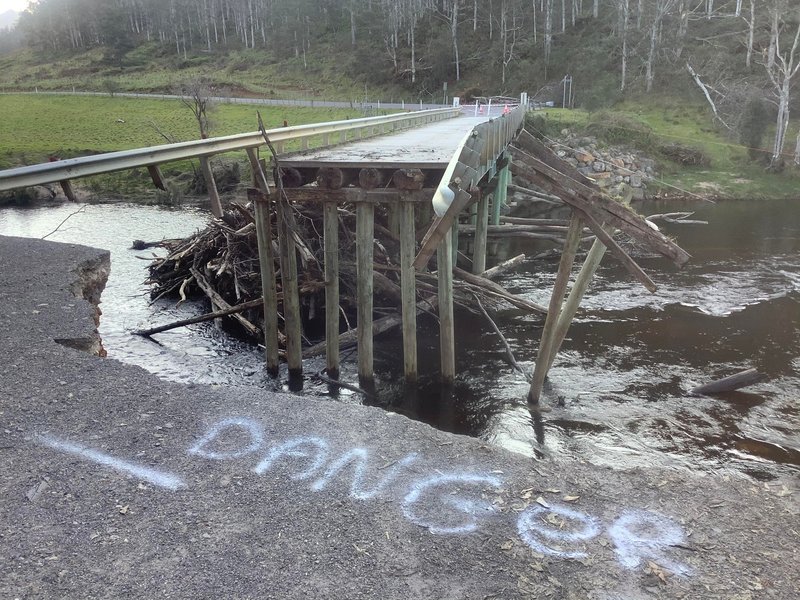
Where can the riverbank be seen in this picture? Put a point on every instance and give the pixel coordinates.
(115, 482)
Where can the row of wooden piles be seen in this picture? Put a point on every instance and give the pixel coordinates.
(330, 261)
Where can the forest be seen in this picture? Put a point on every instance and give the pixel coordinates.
(739, 57)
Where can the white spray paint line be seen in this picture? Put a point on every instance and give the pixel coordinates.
(154, 476)
(359, 457)
(470, 508)
(640, 534)
(531, 526)
(252, 427)
(294, 448)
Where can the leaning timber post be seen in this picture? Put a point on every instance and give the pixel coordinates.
(584, 277)
(365, 234)
(481, 235)
(554, 310)
(408, 277)
(291, 297)
(447, 347)
(268, 288)
(213, 194)
(157, 177)
(331, 233)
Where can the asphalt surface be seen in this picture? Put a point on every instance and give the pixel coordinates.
(114, 484)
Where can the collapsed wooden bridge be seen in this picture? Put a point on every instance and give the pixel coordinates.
(459, 167)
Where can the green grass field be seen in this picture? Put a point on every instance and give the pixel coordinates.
(32, 127)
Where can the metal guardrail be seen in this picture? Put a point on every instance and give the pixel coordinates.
(494, 136)
(354, 104)
(72, 168)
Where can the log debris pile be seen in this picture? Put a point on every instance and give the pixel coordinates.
(221, 263)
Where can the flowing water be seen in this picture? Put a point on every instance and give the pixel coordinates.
(618, 390)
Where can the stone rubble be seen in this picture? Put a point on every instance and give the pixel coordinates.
(611, 167)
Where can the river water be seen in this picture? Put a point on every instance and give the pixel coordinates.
(617, 394)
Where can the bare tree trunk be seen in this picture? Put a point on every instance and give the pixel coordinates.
(548, 30)
(625, 18)
(454, 35)
(797, 151)
(596, 9)
(751, 28)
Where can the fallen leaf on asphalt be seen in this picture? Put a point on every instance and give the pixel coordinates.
(657, 571)
(123, 510)
(542, 502)
(571, 498)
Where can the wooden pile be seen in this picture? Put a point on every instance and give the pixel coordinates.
(221, 262)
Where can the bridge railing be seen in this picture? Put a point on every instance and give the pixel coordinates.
(311, 135)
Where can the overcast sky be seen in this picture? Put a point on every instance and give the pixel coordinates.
(17, 5)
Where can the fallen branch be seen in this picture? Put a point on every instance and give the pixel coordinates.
(386, 323)
(201, 318)
(509, 353)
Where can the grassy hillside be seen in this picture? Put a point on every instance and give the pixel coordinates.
(652, 126)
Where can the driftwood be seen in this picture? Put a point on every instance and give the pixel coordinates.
(389, 322)
(200, 318)
(217, 300)
(729, 384)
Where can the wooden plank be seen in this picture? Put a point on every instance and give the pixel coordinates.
(630, 264)
(331, 235)
(534, 147)
(554, 310)
(447, 342)
(157, 177)
(266, 260)
(603, 209)
(408, 290)
(213, 194)
(291, 297)
(365, 234)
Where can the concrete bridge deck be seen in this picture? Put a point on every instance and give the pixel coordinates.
(114, 484)
(429, 147)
